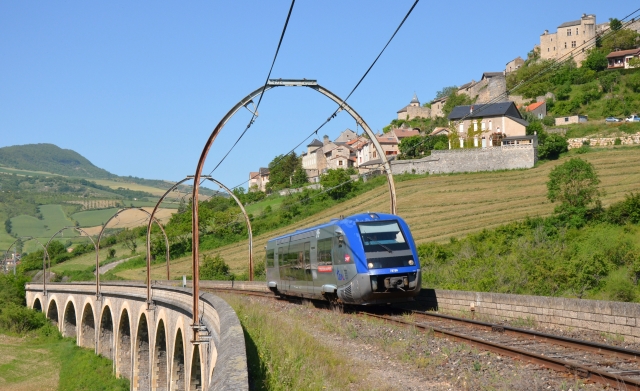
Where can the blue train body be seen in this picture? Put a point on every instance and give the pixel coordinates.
(367, 258)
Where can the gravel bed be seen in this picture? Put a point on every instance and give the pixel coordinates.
(393, 357)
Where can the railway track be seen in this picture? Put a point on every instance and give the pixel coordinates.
(595, 362)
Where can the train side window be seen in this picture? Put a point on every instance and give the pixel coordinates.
(270, 258)
(324, 251)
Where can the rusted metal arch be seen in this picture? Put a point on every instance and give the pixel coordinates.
(166, 241)
(246, 216)
(77, 229)
(45, 257)
(244, 102)
(152, 216)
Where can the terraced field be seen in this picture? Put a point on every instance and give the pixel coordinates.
(442, 206)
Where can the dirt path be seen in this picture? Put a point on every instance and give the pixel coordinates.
(109, 266)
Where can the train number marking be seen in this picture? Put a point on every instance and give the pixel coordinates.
(340, 276)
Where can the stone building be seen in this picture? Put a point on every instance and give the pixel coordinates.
(413, 110)
(514, 65)
(258, 180)
(572, 38)
(492, 122)
(314, 161)
(539, 109)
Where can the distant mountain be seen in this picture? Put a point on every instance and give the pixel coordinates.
(50, 158)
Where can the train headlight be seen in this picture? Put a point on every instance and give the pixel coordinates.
(370, 265)
(411, 263)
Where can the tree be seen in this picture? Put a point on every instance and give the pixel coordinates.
(446, 91)
(129, 240)
(281, 170)
(615, 24)
(455, 100)
(622, 39)
(596, 60)
(411, 147)
(337, 183)
(575, 185)
(111, 253)
(299, 177)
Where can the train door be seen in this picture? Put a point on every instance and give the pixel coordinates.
(344, 267)
(324, 264)
(307, 268)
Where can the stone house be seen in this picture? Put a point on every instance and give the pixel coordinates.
(346, 136)
(437, 107)
(514, 64)
(571, 119)
(539, 109)
(572, 38)
(402, 133)
(620, 59)
(314, 161)
(413, 110)
(492, 122)
(258, 180)
(338, 155)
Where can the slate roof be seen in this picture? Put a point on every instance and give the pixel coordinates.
(264, 171)
(487, 110)
(519, 120)
(568, 24)
(491, 74)
(415, 99)
(315, 143)
(404, 109)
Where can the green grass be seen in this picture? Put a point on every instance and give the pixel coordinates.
(603, 129)
(24, 172)
(87, 262)
(53, 219)
(274, 201)
(92, 218)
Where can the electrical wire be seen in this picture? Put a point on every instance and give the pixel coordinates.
(255, 112)
(341, 106)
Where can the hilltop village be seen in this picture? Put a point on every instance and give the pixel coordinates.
(488, 124)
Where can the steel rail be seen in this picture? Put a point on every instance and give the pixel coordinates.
(584, 372)
(592, 347)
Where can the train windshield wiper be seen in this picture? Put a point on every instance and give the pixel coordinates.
(379, 244)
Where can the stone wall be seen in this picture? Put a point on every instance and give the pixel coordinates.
(603, 141)
(554, 312)
(469, 160)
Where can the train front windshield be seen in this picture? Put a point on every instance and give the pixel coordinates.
(382, 236)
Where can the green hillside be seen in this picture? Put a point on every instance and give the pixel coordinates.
(50, 158)
(439, 207)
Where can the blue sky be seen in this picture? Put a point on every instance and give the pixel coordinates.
(137, 87)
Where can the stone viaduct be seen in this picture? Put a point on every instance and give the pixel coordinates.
(153, 345)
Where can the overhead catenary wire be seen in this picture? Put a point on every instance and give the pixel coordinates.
(255, 111)
(341, 106)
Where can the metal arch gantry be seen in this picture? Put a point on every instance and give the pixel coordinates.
(166, 241)
(244, 212)
(45, 257)
(272, 83)
(81, 232)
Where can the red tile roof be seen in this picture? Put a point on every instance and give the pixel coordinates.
(624, 53)
(534, 106)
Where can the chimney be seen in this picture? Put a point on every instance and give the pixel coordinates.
(325, 140)
(471, 110)
(546, 32)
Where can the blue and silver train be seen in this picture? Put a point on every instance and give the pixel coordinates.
(368, 258)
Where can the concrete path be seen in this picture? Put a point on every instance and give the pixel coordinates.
(109, 266)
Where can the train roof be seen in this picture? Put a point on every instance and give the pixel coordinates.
(373, 216)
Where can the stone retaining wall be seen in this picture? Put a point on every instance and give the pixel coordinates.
(507, 157)
(603, 141)
(554, 312)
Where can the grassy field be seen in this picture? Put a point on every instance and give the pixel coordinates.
(90, 218)
(439, 207)
(88, 261)
(24, 172)
(131, 186)
(257, 208)
(53, 219)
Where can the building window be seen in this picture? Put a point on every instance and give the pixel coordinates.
(490, 125)
(483, 126)
(475, 126)
(568, 32)
(576, 31)
(339, 162)
(565, 45)
(573, 44)
(461, 128)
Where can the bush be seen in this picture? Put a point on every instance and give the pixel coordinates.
(20, 319)
(633, 82)
(624, 212)
(552, 146)
(549, 121)
(215, 268)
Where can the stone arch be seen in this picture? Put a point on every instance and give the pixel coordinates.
(37, 305)
(123, 366)
(105, 340)
(52, 312)
(177, 364)
(88, 328)
(195, 382)
(160, 373)
(69, 321)
(141, 368)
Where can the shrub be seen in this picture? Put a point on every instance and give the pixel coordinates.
(215, 268)
(19, 319)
